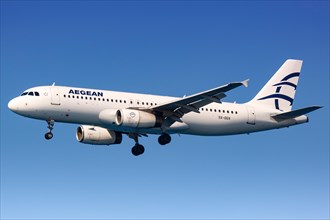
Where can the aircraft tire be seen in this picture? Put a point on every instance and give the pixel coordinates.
(48, 135)
(164, 139)
(137, 150)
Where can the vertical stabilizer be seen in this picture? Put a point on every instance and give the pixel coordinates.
(279, 91)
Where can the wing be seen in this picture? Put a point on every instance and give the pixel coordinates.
(174, 110)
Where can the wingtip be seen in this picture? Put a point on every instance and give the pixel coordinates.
(317, 107)
(246, 82)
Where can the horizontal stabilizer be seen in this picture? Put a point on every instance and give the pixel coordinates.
(295, 113)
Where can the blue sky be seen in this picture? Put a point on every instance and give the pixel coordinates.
(168, 48)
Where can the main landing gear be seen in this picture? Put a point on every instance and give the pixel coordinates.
(49, 134)
(164, 139)
(138, 149)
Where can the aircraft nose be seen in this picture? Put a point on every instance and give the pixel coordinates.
(12, 105)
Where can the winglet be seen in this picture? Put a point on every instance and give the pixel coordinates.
(246, 82)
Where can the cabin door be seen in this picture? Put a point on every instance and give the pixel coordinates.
(55, 96)
(251, 115)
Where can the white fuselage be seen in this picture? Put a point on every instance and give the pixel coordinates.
(83, 106)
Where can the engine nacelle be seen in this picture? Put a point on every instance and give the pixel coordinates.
(137, 119)
(108, 116)
(97, 135)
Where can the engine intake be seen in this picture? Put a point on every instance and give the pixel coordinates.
(98, 136)
(137, 119)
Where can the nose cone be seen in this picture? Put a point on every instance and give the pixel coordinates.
(12, 105)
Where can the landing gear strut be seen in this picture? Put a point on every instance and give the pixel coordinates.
(138, 149)
(164, 139)
(49, 134)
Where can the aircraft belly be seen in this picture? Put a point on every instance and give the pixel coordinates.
(216, 124)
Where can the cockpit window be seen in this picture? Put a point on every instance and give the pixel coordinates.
(30, 93)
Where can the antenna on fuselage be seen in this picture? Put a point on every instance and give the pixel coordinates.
(53, 84)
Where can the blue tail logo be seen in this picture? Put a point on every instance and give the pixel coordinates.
(277, 95)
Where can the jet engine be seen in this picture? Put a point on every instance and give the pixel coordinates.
(97, 135)
(108, 116)
(137, 119)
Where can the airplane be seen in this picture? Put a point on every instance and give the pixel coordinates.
(104, 116)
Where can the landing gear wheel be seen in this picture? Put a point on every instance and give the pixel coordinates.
(164, 139)
(49, 135)
(137, 150)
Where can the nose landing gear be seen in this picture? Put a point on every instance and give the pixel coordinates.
(49, 135)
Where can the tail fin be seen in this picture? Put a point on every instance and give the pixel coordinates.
(280, 90)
